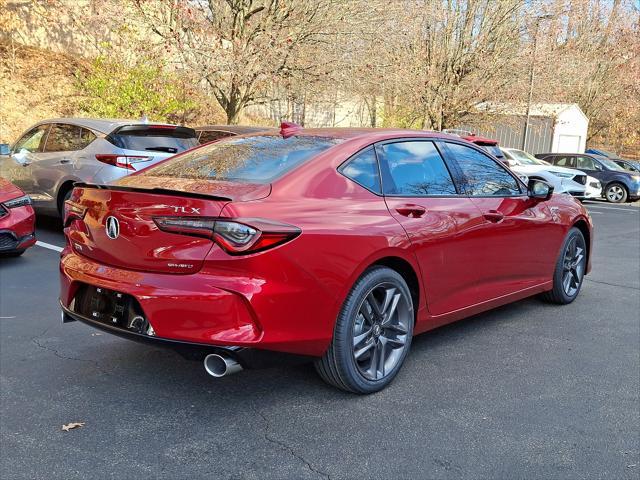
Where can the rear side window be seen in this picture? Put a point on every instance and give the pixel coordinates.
(65, 138)
(206, 137)
(152, 138)
(585, 163)
(363, 169)
(259, 159)
(414, 169)
(32, 140)
(482, 175)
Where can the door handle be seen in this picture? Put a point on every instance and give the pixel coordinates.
(411, 210)
(494, 216)
(65, 160)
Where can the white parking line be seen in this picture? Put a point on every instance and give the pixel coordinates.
(49, 246)
(630, 210)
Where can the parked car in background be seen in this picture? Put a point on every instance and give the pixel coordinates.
(241, 237)
(488, 144)
(49, 157)
(563, 180)
(211, 133)
(17, 220)
(618, 185)
(631, 165)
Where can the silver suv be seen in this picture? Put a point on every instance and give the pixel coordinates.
(54, 154)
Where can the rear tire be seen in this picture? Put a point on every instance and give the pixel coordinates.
(571, 266)
(63, 197)
(616, 193)
(372, 335)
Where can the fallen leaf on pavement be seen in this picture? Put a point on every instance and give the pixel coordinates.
(72, 425)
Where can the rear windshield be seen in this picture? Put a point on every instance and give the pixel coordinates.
(151, 139)
(259, 159)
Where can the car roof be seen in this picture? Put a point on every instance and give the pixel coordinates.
(237, 129)
(102, 125)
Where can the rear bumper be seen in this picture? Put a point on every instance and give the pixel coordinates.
(207, 308)
(249, 358)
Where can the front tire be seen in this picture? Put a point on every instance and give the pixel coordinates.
(616, 193)
(571, 266)
(372, 335)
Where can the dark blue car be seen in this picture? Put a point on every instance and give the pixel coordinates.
(631, 165)
(618, 185)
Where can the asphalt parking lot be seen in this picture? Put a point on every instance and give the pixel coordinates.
(526, 391)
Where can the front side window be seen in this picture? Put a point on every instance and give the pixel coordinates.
(259, 159)
(63, 138)
(585, 163)
(363, 169)
(482, 176)
(414, 169)
(32, 140)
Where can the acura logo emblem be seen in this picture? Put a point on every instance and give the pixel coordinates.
(112, 227)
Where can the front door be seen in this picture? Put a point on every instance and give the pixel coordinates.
(18, 167)
(441, 223)
(518, 235)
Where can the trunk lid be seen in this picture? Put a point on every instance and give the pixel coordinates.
(118, 227)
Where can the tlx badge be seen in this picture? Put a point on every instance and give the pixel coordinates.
(185, 210)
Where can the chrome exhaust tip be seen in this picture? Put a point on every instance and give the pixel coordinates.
(218, 366)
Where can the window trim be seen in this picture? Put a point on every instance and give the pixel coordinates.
(523, 188)
(453, 172)
(377, 160)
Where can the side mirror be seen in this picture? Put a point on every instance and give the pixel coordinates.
(5, 149)
(540, 190)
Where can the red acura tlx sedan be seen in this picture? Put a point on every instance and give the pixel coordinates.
(335, 244)
(17, 220)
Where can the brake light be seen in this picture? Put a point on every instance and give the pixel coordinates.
(235, 236)
(122, 161)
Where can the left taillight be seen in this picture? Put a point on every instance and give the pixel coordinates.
(235, 236)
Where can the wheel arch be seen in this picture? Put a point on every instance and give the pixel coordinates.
(582, 225)
(65, 186)
(408, 272)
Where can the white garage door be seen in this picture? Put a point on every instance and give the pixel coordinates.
(569, 144)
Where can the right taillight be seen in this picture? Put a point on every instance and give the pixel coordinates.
(123, 161)
(235, 236)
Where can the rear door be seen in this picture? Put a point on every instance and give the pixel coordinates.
(421, 195)
(518, 237)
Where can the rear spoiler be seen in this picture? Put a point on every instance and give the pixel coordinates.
(144, 130)
(157, 191)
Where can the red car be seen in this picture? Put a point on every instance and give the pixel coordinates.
(335, 244)
(17, 220)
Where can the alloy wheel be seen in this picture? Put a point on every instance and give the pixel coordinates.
(573, 266)
(380, 331)
(615, 193)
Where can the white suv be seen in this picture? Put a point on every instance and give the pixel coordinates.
(564, 180)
